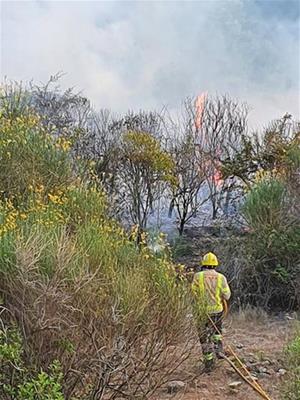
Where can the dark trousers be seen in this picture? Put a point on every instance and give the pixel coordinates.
(211, 337)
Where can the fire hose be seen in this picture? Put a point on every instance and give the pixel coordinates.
(246, 376)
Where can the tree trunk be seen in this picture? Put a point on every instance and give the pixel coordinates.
(214, 211)
(181, 227)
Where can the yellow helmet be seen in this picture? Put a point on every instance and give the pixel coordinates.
(210, 259)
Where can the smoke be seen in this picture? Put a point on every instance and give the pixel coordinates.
(139, 55)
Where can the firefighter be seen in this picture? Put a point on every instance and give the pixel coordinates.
(211, 287)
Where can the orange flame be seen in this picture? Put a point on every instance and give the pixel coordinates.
(200, 101)
(199, 105)
(217, 178)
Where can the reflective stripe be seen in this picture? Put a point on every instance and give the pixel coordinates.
(201, 282)
(208, 356)
(219, 305)
(217, 338)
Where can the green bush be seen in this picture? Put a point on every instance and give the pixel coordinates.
(31, 157)
(264, 207)
(272, 244)
(17, 381)
(291, 390)
(77, 287)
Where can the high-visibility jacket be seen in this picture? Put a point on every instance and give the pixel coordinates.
(214, 286)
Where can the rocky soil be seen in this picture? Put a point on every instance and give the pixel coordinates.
(258, 340)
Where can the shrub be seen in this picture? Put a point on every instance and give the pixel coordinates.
(78, 289)
(17, 381)
(264, 207)
(98, 306)
(31, 157)
(273, 243)
(291, 389)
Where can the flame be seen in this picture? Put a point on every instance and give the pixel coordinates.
(217, 178)
(200, 102)
(199, 105)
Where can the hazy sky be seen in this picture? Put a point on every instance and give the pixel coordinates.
(146, 54)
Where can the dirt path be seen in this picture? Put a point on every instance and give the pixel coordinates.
(259, 344)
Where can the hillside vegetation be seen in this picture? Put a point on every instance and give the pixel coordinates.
(74, 288)
(90, 307)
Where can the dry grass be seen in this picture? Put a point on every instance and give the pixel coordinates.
(251, 314)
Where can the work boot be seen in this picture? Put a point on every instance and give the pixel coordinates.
(219, 350)
(209, 362)
(218, 346)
